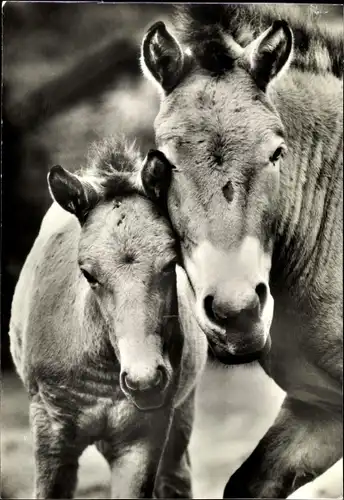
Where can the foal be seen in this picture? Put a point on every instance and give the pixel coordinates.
(100, 337)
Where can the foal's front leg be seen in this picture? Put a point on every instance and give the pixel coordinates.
(303, 443)
(56, 453)
(134, 455)
(174, 476)
(133, 473)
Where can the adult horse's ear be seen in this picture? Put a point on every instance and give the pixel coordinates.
(71, 193)
(268, 54)
(161, 57)
(156, 175)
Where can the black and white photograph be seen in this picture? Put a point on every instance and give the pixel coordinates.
(172, 250)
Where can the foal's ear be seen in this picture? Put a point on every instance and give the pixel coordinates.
(71, 193)
(161, 57)
(270, 53)
(156, 175)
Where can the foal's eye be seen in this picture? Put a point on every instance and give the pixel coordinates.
(277, 155)
(91, 279)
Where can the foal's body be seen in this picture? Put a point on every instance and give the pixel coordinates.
(71, 361)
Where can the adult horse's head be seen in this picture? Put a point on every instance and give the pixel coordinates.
(219, 129)
(126, 258)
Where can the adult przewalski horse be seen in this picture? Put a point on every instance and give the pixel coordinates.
(100, 337)
(250, 125)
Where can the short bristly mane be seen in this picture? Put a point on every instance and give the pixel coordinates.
(111, 166)
(208, 29)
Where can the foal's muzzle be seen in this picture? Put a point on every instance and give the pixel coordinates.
(149, 392)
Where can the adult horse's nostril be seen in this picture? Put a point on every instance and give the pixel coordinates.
(233, 314)
(217, 312)
(262, 292)
(208, 307)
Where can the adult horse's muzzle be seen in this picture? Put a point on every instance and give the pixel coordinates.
(237, 337)
(233, 345)
(222, 354)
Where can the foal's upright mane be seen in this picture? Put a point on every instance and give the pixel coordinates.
(111, 166)
(207, 30)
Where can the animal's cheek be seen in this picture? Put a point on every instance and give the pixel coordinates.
(177, 220)
(174, 202)
(272, 183)
(186, 248)
(186, 216)
(107, 305)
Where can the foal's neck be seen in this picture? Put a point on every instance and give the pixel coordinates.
(310, 219)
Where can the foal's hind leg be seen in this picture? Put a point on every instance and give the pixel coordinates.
(303, 442)
(174, 476)
(56, 453)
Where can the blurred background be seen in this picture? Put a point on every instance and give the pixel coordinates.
(71, 75)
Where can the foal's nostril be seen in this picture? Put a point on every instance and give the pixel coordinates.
(262, 292)
(163, 377)
(129, 383)
(158, 378)
(157, 382)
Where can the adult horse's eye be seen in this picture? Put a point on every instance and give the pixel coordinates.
(91, 279)
(277, 155)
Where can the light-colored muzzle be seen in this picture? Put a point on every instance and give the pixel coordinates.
(145, 374)
(233, 304)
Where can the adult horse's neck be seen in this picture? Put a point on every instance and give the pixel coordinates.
(309, 229)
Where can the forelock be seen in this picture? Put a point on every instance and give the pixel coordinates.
(200, 30)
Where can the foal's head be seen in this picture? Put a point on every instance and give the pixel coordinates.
(218, 128)
(127, 264)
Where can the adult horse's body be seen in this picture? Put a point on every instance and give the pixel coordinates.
(251, 126)
(100, 338)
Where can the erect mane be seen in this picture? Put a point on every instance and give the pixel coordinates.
(111, 166)
(207, 28)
